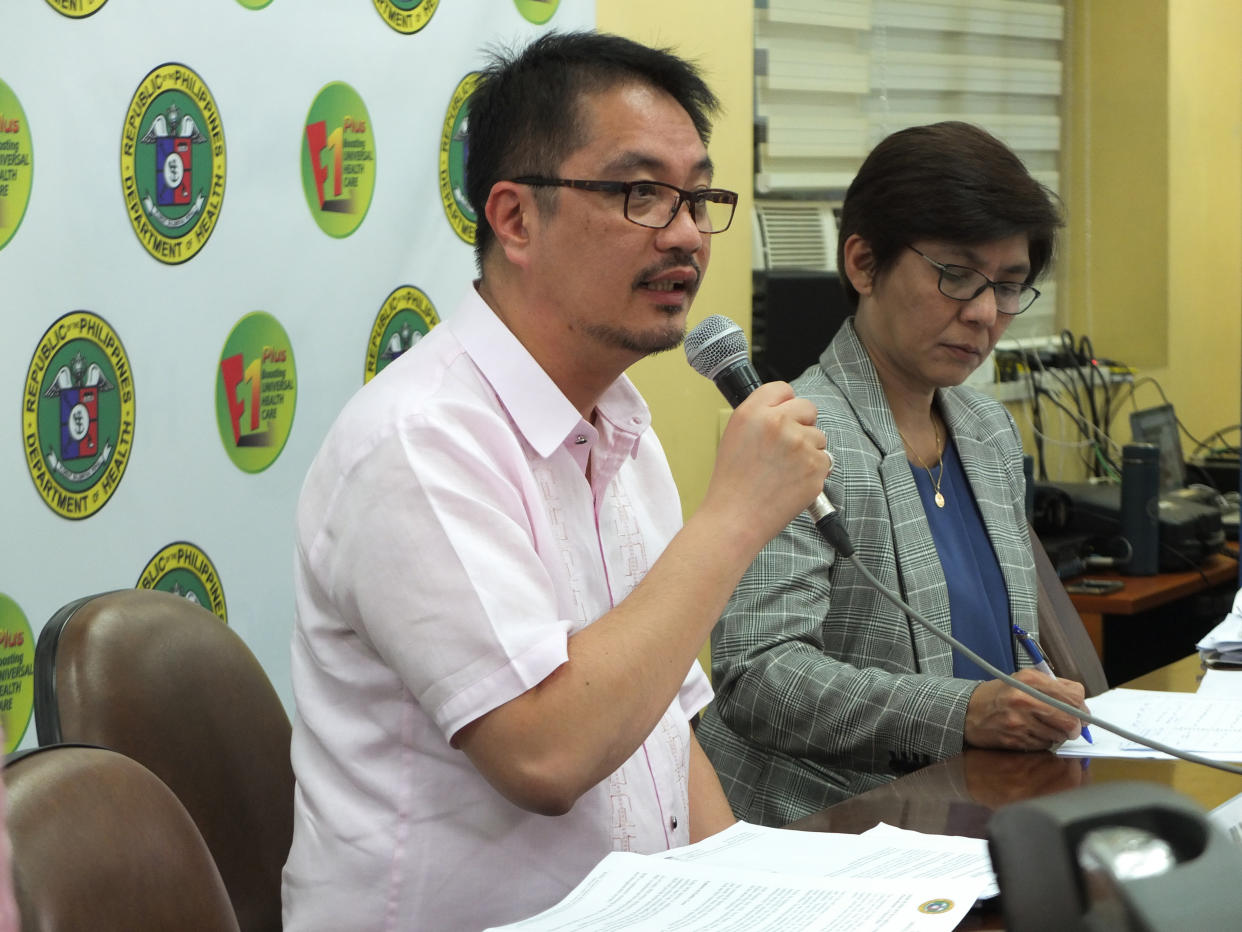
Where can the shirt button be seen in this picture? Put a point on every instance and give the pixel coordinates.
(672, 822)
(580, 439)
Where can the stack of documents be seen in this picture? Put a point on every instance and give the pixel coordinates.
(749, 878)
(1206, 725)
(1223, 644)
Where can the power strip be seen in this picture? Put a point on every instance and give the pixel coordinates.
(1019, 390)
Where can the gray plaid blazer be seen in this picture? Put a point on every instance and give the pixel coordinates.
(823, 689)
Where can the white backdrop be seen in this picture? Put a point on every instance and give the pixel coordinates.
(75, 250)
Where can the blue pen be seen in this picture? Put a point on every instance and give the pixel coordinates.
(1037, 656)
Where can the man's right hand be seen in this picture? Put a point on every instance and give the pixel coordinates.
(547, 746)
(771, 463)
(999, 716)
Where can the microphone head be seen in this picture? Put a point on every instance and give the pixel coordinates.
(715, 344)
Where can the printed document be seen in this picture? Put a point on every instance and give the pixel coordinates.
(750, 878)
(884, 852)
(637, 893)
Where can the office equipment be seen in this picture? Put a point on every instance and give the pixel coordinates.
(165, 682)
(1140, 519)
(795, 314)
(1158, 426)
(1189, 530)
(1088, 586)
(1122, 856)
(100, 843)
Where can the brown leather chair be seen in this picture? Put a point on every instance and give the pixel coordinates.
(1061, 632)
(100, 843)
(165, 682)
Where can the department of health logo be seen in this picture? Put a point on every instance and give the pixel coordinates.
(407, 16)
(172, 163)
(405, 318)
(338, 160)
(935, 907)
(16, 164)
(256, 392)
(78, 415)
(76, 9)
(537, 11)
(453, 145)
(17, 647)
(184, 570)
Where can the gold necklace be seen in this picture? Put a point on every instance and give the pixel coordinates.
(939, 452)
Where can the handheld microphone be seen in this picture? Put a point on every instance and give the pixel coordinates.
(716, 348)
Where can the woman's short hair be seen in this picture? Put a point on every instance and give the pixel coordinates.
(948, 181)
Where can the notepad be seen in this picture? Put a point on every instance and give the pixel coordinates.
(1204, 725)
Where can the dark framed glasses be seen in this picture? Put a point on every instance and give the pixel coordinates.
(962, 283)
(654, 204)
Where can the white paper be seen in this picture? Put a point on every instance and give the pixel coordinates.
(1226, 637)
(1220, 684)
(638, 893)
(1202, 725)
(884, 852)
(1228, 816)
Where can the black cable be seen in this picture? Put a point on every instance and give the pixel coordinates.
(1067, 386)
(1221, 435)
(1076, 367)
(1165, 398)
(1079, 420)
(1037, 421)
(1087, 351)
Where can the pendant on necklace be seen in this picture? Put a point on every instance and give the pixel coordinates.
(939, 500)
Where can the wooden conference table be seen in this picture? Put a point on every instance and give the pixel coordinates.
(1142, 593)
(958, 796)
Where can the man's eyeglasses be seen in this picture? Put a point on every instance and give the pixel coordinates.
(965, 284)
(654, 204)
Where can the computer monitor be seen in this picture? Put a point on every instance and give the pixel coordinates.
(1158, 425)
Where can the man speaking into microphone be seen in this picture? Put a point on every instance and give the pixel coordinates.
(498, 614)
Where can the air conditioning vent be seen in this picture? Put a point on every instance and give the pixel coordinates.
(795, 235)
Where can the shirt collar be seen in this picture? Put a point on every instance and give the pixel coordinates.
(538, 408)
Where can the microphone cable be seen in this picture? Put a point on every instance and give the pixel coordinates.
(716, 348)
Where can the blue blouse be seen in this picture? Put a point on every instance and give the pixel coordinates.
(978, 597)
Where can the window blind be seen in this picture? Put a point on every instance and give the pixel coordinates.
(834, 77)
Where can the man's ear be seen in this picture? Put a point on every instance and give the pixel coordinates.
(508, 209)
(859, 264)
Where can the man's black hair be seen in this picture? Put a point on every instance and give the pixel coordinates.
(525, 115)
